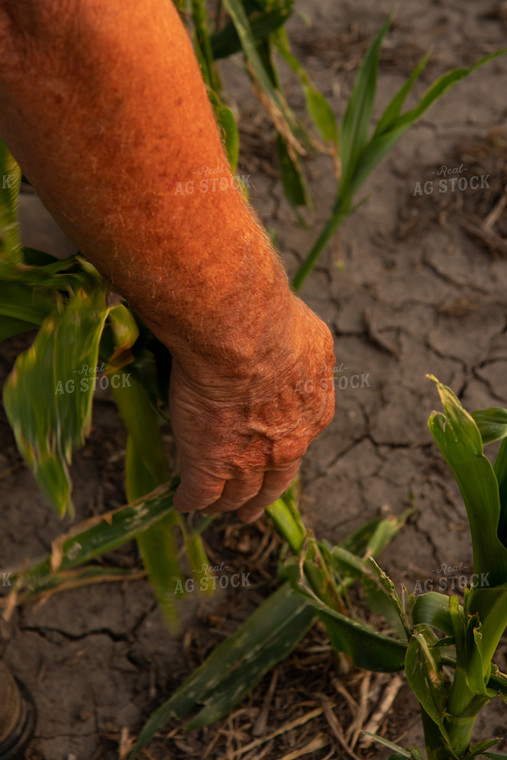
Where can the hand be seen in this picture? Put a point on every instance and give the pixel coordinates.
(240, 440)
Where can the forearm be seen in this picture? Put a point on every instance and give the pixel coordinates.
(103, 105)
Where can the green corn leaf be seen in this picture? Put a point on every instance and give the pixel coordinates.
(444, 83)
(198, 558)
(416, 754)
(317, 573)
(25, 303)
(373, 537)
(400, 751)
(283, 615)
(380, 604)
(230, 132)
(348, 563)
(278, 623)
(97, 536)
(157, 544)
(141, 421)
(240, 20)
(203, 44)
(490, 604)
(287, 520)
(46, 400)
(397, 612)
(10, 326)
(147, 468)
(477, 663)
(492, 423)
(392, 129)
(321, 113)
(500, 469)
(389, 118)
(125, 333)
(497, 681)
(480, 747)
(10, 180)
(459, 440)
(276, 648)
(447, 641)
(72, 579)
(359, 541)
(294, 186)
(495, 755)
(423, 675)
(433, 609)
(367, 648)
(356, 122)
(51, 276)
(316, 104)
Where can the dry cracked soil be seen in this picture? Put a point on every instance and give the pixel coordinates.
(414, 283)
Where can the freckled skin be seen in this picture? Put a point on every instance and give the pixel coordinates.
(103, 105)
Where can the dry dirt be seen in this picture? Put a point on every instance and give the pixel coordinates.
(415, 283)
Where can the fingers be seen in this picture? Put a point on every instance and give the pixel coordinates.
(250, 495)
(275, 483)
(197, 490)
(236, 492)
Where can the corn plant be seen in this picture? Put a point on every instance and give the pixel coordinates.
(360, 153)
(445, 648)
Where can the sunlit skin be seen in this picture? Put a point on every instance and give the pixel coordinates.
(103, 105)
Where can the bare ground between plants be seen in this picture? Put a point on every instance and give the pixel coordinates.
(415, 283)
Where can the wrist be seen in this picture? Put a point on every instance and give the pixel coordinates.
(289, 346)
(239, 341)
(242, 310)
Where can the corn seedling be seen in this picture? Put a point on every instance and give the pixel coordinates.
(361, 153)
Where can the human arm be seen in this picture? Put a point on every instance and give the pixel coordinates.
(103, 105)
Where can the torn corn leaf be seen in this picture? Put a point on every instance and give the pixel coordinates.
(424, 676)
(367, 648)
(48, 394)
(98, 535)
(490, 603)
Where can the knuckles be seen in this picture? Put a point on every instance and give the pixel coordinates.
(267, 424)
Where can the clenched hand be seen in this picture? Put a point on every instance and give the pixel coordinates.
(240, 441)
